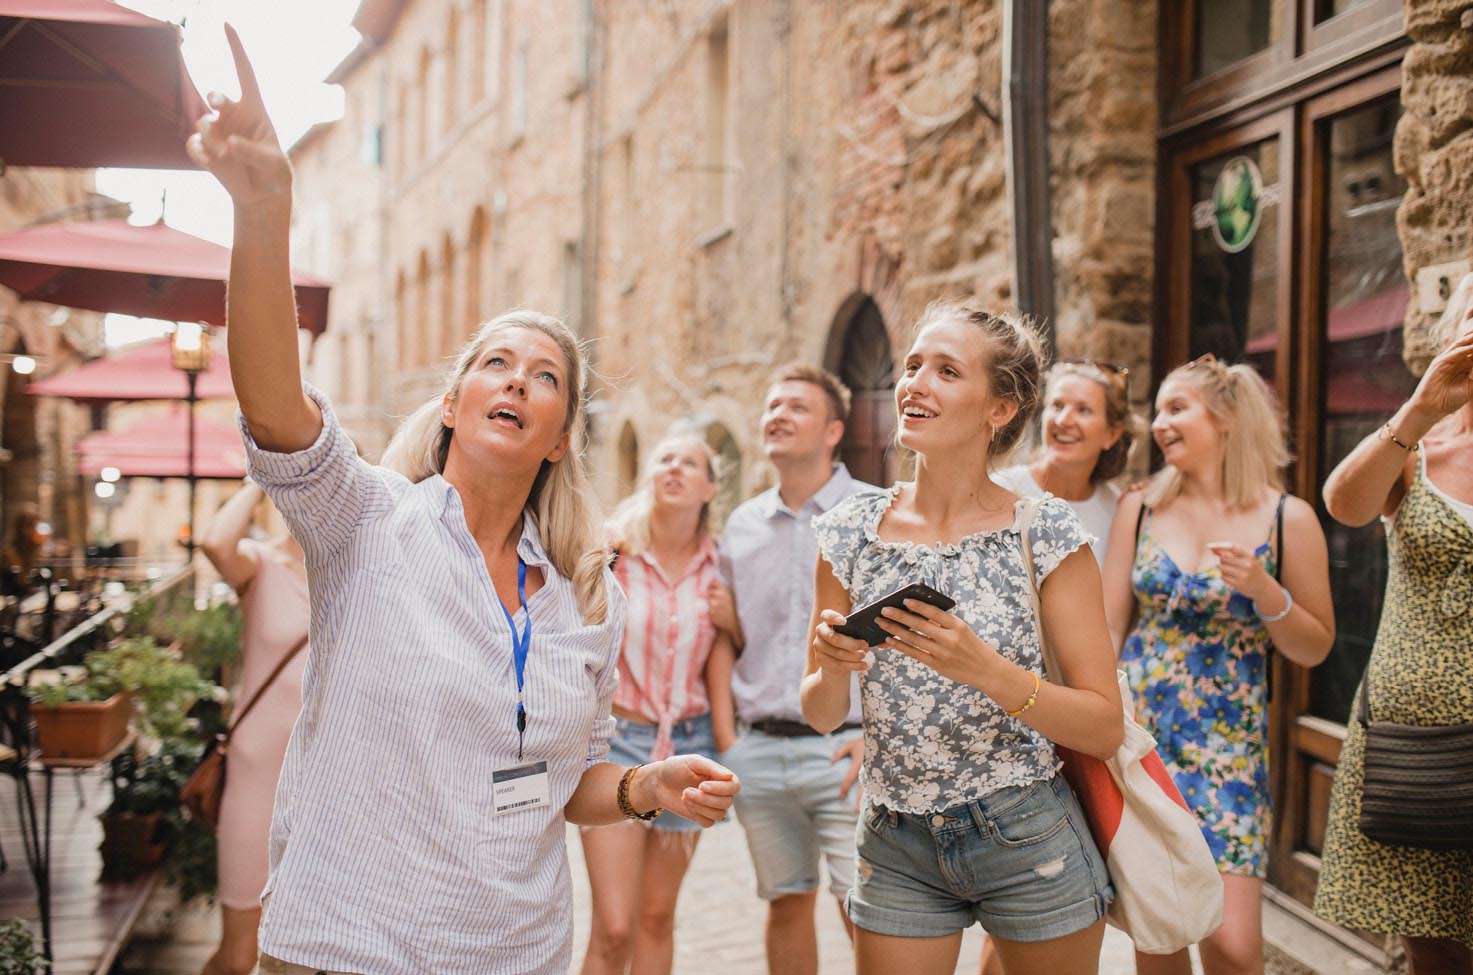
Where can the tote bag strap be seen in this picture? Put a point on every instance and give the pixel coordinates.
(276, 672)
(1025, 529)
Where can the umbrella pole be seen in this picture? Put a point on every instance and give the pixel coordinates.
(193, 378)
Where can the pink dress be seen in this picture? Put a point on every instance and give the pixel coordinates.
(274, 613)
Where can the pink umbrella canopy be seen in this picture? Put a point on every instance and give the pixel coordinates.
(158, 447)
(142, 371)
(86, 83)
(152, 272)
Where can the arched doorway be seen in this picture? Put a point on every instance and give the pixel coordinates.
(729, 471)
(862, 359)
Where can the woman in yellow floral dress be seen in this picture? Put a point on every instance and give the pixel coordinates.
(1416, 472)
(1195, 603)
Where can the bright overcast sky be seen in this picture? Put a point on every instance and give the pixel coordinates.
(293, 44)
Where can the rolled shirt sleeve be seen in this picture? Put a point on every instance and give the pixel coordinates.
(324, 491)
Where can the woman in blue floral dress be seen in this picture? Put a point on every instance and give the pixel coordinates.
(966, 818)
(1196, 601)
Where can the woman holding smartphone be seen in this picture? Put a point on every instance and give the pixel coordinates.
(963, 799)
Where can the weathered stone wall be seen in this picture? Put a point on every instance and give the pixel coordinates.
(853, 163)
(1103, 157)
(1434, 150)
(471, 210)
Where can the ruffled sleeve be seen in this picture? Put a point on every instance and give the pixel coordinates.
(1056, 532)
(841, 534)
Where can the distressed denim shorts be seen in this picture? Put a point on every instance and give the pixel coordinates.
(633, 744)
(1020, 861)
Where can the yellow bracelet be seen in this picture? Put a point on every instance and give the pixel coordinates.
(1032, 698)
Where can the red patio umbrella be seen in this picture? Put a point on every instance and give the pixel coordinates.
(158, 447)
(86, 83)
(153, 272)
(142, 371)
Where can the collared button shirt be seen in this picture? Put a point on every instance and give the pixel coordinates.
(667, 638)
(386, 856)
(768, 554)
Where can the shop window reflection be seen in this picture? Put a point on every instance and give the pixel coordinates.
(1365, 379)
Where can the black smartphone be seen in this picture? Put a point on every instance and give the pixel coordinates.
(860, 624)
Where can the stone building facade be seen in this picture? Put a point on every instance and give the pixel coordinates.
(37, 468)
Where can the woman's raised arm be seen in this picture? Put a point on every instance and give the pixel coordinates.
(239, 147)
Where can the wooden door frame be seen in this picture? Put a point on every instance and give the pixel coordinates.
(1171, 344)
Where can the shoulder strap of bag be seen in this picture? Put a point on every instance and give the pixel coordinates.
(1279, 540)
(1025, 531)
(1140, 518)
(1365, 699)
(1268, 654)
(262, 689)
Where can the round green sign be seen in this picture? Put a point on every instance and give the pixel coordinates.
(1237, 204)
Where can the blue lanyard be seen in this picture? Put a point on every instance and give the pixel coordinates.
(520, 644)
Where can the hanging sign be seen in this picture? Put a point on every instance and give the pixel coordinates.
(1237, 204)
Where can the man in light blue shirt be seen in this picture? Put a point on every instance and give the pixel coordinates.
(796, 803)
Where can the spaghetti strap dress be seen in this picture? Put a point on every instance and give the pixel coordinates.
(1420, 673)
(274, 613)
(1197, 661)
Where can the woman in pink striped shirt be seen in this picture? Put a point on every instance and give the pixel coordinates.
(666, 563)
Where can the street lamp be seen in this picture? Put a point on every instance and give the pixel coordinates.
(191, 353)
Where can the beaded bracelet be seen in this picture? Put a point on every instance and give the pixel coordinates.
(626, 807)
(1032, 698)
(1391, 435)
(1281, 613)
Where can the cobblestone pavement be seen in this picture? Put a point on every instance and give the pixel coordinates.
(718, 928)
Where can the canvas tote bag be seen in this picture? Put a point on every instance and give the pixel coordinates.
(1168, 892)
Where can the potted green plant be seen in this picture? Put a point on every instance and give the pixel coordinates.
(164, 686)
(81, 719)
(18, 954)
(140, 823)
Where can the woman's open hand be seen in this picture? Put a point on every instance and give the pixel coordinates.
(695, 787)
(238, 145)
(938, 639)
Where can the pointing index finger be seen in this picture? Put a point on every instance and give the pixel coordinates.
(250, 89)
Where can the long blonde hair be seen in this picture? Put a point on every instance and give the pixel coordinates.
(629, 525)
(1254, 453)
(1452, 315)
(561, 502)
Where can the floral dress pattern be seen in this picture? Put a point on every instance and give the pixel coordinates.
(930, 742)
(1197, 664)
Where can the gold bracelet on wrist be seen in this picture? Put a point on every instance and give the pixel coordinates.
(1032, 698)
(625, 806)
(1391, 435)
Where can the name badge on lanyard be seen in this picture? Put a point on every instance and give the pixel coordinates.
(525, 786)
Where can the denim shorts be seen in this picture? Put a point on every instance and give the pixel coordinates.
(633, 743)
(1020, 861)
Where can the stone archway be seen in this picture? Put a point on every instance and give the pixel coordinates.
(861, 356)
(729, 470)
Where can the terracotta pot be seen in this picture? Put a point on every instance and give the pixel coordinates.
(130, 845)
(82, 730)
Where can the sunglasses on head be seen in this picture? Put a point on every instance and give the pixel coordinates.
(1112, 369)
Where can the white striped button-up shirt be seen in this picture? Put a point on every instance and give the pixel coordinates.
(386, 857)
